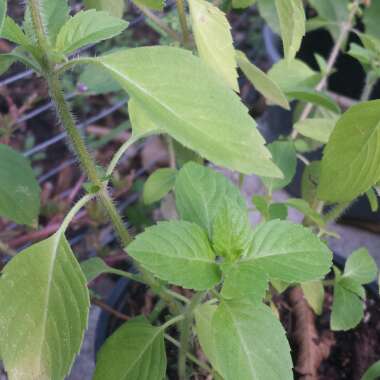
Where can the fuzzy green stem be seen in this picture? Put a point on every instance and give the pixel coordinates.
(38, 25)
(185, 334)
(183, 21)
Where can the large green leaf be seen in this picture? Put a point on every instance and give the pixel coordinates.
(351, 160)
(284, 156)
(97, 80)
(159, 184)
(262, 82)
(214, 40)
(289, 252)
(136, 351)
(3, 13)
(184, 97)
(88, 27)
(291, 14)
(200, 194)
(19, 190)
(318, 129)
(250, 343)
(371, 19)
(44, 310)
(178, 252)
(113, 7)
(361, 267)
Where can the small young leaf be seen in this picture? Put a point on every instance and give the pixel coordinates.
(3, 13)
(158, 185)
(317, 129)
(314, 293)
(351, 160)
(347, 309)
(178, 252)
(214, 40)
(136, 351)
(113, 7)
(289, 252)
(291, 14)
(261, 204)
(45, 285)
(200, 194)
(19, 190)
(278, 211)
(245, 281)
(250, 343)
(184, 97)
(373, 199)
(304, 207)
(284, 156)
(361, 267)
(262, 82)
(231, 230)
(88, 27)
(94, 267)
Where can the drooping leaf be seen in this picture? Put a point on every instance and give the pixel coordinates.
(291, 14)
(347, 309)
(289, 252)
(262, 82)
(231, 230)
(158, 185)
(20, 55)
(19, 190)
(371, 19)
(200, 194)
(94, 267)
(284, 156)
(250, 343)
(293, 75)
(318, 129)
(245, 281)
(178, 252)
(12, 32)
(136, 351)
(351, 160)
(314, 293)
(113, 7)
(88, 27)
(3, 13)
(304, 207)
(184, 97)
(45, 285)
(214, 40)
(361, 267)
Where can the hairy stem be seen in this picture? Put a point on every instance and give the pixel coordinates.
(186, 333)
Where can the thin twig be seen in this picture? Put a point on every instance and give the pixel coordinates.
(109, 309)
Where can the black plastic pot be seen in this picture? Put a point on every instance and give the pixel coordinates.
(108, 323)
(279, 121)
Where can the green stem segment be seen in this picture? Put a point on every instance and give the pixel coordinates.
(185, 334)
(183, 21)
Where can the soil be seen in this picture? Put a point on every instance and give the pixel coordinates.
(351, 353)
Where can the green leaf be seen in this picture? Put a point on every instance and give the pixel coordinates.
(94, 267)
(291, 14)
(261, 204)
(250, 343)
(373, 372)
(6, 61)
(289, 252)
(347, 308)
(262, 82)
(351, 160)
(314, 293)
(45, 285)
(88, 27)
(284, 156)
(304, 207)
(158, 185)
(3, 13)
(184, 97)
(278, 211)
(361, 267)
(212, 34)
(178, 252)
(242, 3)
(318, 129)
(363, 55)
(136, 351)
(98, 81)
(231, 230)
(245, 281)
(201, 192)
(157, 5)
(373, 199)
(19, 190)
(12, 32)
(371, 19)
(113, 7)
(203, 316)
(314, 97)
(266, 10)
(293, 75)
